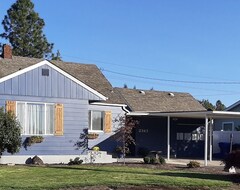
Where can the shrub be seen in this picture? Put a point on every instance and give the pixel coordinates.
(76, 161)
(232, 159)
(10, 133)
(193, 164)
(146, 160)
(162, 160)
(154, 160)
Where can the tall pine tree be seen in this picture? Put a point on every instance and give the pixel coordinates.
(24, 30)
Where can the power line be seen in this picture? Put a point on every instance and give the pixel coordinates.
(170, 80)
(140, 68)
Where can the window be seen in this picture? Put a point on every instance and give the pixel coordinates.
(36, 118)
(96, 120)
(227, 126)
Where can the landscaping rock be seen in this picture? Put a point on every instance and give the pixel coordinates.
(36, 160)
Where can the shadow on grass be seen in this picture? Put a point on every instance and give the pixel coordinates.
(221, 177)
(235, 178)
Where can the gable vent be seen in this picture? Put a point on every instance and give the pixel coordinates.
(45, 72)
(171, 94)
(142, 92)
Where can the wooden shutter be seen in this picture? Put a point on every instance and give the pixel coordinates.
(58, 120)
(108, 122)
(11, 106)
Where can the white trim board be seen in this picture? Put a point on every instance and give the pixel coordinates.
(45, 62)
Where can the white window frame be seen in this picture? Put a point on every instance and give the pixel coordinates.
(25, 119)
(228, 123)
(90, 121)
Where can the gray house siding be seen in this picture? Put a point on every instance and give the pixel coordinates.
(56, 85)
(106, 141)
(75, 120)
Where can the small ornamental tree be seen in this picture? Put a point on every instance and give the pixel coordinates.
(125, 126)
(10, 133)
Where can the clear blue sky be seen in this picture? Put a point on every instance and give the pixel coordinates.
(182, 40)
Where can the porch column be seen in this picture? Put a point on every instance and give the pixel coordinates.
(210, 139)
(168, 138)
(206, 142)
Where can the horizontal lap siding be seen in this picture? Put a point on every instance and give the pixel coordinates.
(55, 85)
(104, 141)
(75, 120)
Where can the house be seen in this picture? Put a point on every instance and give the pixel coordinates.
(57, 100)
(152, 131)
(226, 132)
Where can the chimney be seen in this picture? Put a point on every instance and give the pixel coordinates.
(7, 52)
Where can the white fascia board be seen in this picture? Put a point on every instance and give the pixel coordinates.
(108, 104)
(45, 62)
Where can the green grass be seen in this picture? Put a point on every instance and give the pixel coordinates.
(55, 177)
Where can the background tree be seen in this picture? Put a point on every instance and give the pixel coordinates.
(56, 56)
(24, 30)
(10, 133)
(125, 86)
(220, 106)
(206, 104)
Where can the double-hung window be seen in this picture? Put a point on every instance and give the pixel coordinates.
(36, 118)
(96, 120)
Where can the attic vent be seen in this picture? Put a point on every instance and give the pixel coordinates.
(141, 92)
(45, 72)
(171, 94)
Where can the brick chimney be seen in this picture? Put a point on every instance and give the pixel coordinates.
(7, 52)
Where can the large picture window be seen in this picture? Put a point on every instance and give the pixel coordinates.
(96, 120)
(36, 118)
(227, 126)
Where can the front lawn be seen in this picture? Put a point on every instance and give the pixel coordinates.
(55, 177)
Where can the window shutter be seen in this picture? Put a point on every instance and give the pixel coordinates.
(58, 120)
(11, 106)
(108, 122)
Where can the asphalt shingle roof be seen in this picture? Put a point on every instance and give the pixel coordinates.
(90, 75)
(158, 101)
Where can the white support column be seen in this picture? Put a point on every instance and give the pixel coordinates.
(206, 142)
(210, 139)
(168, 138)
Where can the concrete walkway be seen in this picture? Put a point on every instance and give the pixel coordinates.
(174, 161)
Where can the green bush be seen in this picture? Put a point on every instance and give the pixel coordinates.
(76, 161)
(146, 160)
(193, 164)
(232, 159)
(10, 133)
(162, 160)
(154, 160)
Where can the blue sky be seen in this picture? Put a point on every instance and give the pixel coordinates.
(196, 41)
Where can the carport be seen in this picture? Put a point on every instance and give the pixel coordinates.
(208, 116)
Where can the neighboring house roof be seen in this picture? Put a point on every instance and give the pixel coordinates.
(157, 101)
(234, 107)
(88, 74)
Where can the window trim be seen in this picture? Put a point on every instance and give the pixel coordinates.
(228, 122)
(90, 121)
(25, 117)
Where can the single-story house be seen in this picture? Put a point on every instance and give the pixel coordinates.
(59, 100)
(226, 132)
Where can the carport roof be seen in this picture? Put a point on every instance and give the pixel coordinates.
(195, 114)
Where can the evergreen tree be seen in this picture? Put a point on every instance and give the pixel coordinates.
(56, 57)
(220, 106)
(206, 104)
(24, 30)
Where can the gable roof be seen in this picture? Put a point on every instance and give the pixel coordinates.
(229, 108)
(157, 101)
(86, 73)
